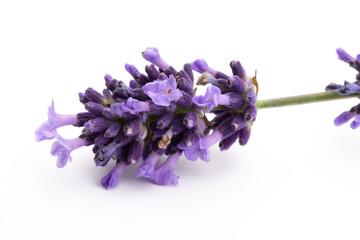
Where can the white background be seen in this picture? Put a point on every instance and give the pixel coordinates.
(298, 178)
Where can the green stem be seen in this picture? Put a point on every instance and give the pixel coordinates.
(303, 99)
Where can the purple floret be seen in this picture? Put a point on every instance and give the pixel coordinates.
(112, 179)
(63, 147)
(163, 92)
(344, 56)
(147, 168)
(152, 55)
(211, 99)
(194, 151)
(47, 130)
(164, 174)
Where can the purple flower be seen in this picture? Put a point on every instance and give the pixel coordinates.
(344, 118)
(146, 169)
(238, 69)
(353, 62)
(164, 174)
(333, 86)
(105, 153)
(344, 56)
(191, 119)
(201, 66)
(157, 114)
(132, 70)
(132, 106)
(244, 135)
(356, 123)
(47, 130)
(211, 99)
(349, 88)
(194, 151)
(98, 124)
(162, 92)
(112, 130)
(152, 55)
(209, 140)
(63, 147)
(113, 177)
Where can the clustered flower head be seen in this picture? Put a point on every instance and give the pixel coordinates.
(157, 114)
(348, 88)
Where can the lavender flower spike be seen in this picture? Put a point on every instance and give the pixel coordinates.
(163, 92)
(63, 147)
(152, 55)
(47, 130)
(156, 114)
(146, 169)
(211, 99)
(113, 177)
(164, 174)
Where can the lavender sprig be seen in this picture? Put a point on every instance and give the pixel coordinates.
(160, 114)
(157, 114)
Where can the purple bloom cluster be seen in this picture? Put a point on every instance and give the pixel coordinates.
(157, 114)
(348, 88)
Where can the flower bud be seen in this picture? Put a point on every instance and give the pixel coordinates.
(250, 113)
(185, 100)
(94, 108)
(238, 69)
(226, 143)
(94, 96)
(113, 130)
(190, 120)
(132, 128)
(244, 135)
(164, 120)
(238, 122)
(152, 72)
(98, 124)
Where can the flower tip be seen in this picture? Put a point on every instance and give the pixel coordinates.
(354, 125)
(343, 118)
(60, 164)
(108, 77)
(333, 86)
(51, 109)
(344, 56)
(168, 178)
(200, 66)
(132, 70)
(105, 182)
(150, 53)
